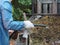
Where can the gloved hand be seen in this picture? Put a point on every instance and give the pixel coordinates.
(28, 24)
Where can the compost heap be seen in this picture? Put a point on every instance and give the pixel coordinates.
(41, 33)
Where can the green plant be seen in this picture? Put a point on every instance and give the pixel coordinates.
(20, 6)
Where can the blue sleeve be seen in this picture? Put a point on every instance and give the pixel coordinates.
(7, 19)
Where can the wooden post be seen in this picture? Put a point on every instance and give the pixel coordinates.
(32, 7)
(50, 6)
(38, 6)
(54, 6)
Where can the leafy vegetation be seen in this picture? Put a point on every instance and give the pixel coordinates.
(20, 6)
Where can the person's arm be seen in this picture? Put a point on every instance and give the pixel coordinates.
(7, 19)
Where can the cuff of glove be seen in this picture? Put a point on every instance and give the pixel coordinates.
(28, 24)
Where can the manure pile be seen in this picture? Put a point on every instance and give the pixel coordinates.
(41, 34)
